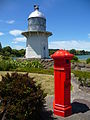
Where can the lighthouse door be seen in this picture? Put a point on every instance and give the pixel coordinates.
(44, 52)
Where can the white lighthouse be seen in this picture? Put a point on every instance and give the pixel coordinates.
(37, 36)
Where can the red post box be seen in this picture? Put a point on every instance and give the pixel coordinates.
(62, 83)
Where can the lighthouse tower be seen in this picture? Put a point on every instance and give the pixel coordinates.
(37, 36)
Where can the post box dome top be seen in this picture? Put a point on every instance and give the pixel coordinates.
(62, 54)
(36, 13)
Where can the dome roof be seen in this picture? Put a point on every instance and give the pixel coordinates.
(36, 13)
(62, 54)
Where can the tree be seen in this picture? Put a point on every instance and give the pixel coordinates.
(82, 52)
(73, 51)
(21, 52)
(51, 51)
(0, 47)
(6, 50)
(16, 53)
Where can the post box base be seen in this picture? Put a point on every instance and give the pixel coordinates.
(62, 110)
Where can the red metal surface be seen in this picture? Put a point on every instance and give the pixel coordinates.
(62, 83)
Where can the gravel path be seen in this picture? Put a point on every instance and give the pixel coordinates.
(80, 105)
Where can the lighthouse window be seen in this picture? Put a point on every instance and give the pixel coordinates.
(44, 48)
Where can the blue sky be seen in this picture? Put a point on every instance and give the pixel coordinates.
(68, 20)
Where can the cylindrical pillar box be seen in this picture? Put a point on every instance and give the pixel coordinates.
(62, 80)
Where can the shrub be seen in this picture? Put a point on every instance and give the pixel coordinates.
(88, 61)
(5, 57)
(9, 64)
(75, 59)
(5, 65)
(83, 77)
(21, 97)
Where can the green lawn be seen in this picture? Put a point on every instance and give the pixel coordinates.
(46, 81)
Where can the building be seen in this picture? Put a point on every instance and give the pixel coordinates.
(37, 36)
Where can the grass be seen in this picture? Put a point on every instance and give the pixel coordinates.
(82, 74)
(49, 71)
(46, 81)
(46, 78)
(83, 77)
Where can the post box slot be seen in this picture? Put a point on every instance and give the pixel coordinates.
(67, 61)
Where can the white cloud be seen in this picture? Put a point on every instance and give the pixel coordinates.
(19, 39)
(10, 21)
(15, 32)
(1, 33)
(72, 44)
(89, 35)
(18, 47)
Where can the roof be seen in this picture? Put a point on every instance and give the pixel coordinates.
(36, 13)
(62, 54)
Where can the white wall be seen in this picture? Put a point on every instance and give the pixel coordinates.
(37, 46)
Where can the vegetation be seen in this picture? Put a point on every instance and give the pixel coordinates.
(46, 81)
(21, 98)
(72, 51)
(75, 59)
(51, 51)
(79, 52)
(83, 77)
(8, 51)
(8, 64)
(88, 61)
(0, 47)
